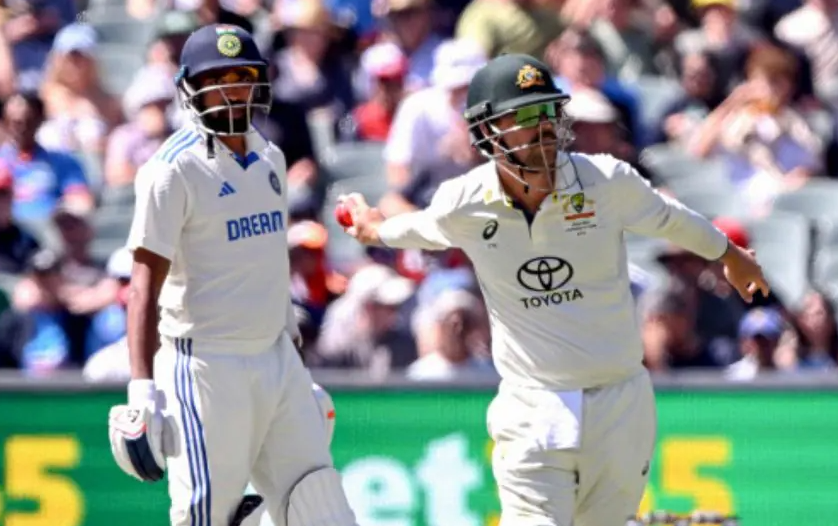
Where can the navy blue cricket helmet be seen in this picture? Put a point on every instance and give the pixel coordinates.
(218, 49)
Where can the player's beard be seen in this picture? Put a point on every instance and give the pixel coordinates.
(220, 121)
(541, 156)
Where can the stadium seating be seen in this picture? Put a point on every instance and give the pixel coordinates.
(655, 93)
(817, 199)
(676, 169)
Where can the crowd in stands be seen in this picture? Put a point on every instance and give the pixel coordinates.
(728, 105)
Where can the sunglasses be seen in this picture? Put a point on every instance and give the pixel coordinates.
(531, 115)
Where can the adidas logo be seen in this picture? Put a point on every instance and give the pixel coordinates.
(226, 189)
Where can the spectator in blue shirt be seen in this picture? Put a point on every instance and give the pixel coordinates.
(42, 178)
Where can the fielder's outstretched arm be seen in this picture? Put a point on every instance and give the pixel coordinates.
(646, 211)
(426, 229)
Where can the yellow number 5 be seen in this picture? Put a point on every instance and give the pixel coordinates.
(29, 464)
(682, 461)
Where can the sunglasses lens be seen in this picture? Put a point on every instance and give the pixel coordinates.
(530, 115)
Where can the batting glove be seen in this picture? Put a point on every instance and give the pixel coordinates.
(136, 433)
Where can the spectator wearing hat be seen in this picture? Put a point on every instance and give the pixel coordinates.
(410, 25)
(147, 102)
(16, 244)
(172, 28)
(79, 111)
(452, 319)
(384, 68)
(760, 334)
(365, 328)
(579, 63)
(429, 141)
(313, 285)
(43, 178)
(510, 26)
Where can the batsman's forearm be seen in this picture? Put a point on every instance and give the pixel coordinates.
(143, 339)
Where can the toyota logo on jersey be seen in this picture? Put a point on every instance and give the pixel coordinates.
(547, 275)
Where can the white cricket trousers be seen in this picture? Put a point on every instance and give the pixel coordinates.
(239, 418)
(572, 459)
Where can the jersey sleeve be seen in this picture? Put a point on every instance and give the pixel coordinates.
(160, 211)
(430, 228)
(646, 211)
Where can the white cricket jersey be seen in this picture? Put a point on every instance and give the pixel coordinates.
(222, 224)
(557, 289)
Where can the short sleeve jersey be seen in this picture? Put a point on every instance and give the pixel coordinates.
(221, 221)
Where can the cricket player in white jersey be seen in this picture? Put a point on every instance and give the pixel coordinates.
(574, 419)
(219, 395)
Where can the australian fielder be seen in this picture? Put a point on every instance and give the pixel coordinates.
(574, 419)
(219, 395)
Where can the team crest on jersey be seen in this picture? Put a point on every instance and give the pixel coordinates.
(529, 76)
(579, 212)
(275, 184)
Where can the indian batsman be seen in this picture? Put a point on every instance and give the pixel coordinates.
(219, 395)
(574, 420)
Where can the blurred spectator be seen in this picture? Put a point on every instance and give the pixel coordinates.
(207, 11)
(429, 142)
(768, 145)
(135, 142)
(386, 67)
(286, 126)
(670, 339)
(42, 178)
(308, 74)
(701, 95)
(312, 283)
(722, 35)
(8, 74)
(29, 28)
(813, 28)
(628, 45)
(409, 24)
(365, 332)
(108, 324)
(759, 338)
(172, 30)
(510, 26)
(717, 316)
(597, 129)
(451, 319)
(39, 333)
(579, 63)
(84, 290)
(16, 245)
(815, 324)
(79, 111)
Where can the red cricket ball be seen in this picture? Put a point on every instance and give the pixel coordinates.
(343, 215)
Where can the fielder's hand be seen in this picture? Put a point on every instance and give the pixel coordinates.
(365, 220)
(744, 272)
(137, 433)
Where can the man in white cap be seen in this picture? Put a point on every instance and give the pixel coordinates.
(428, 142)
